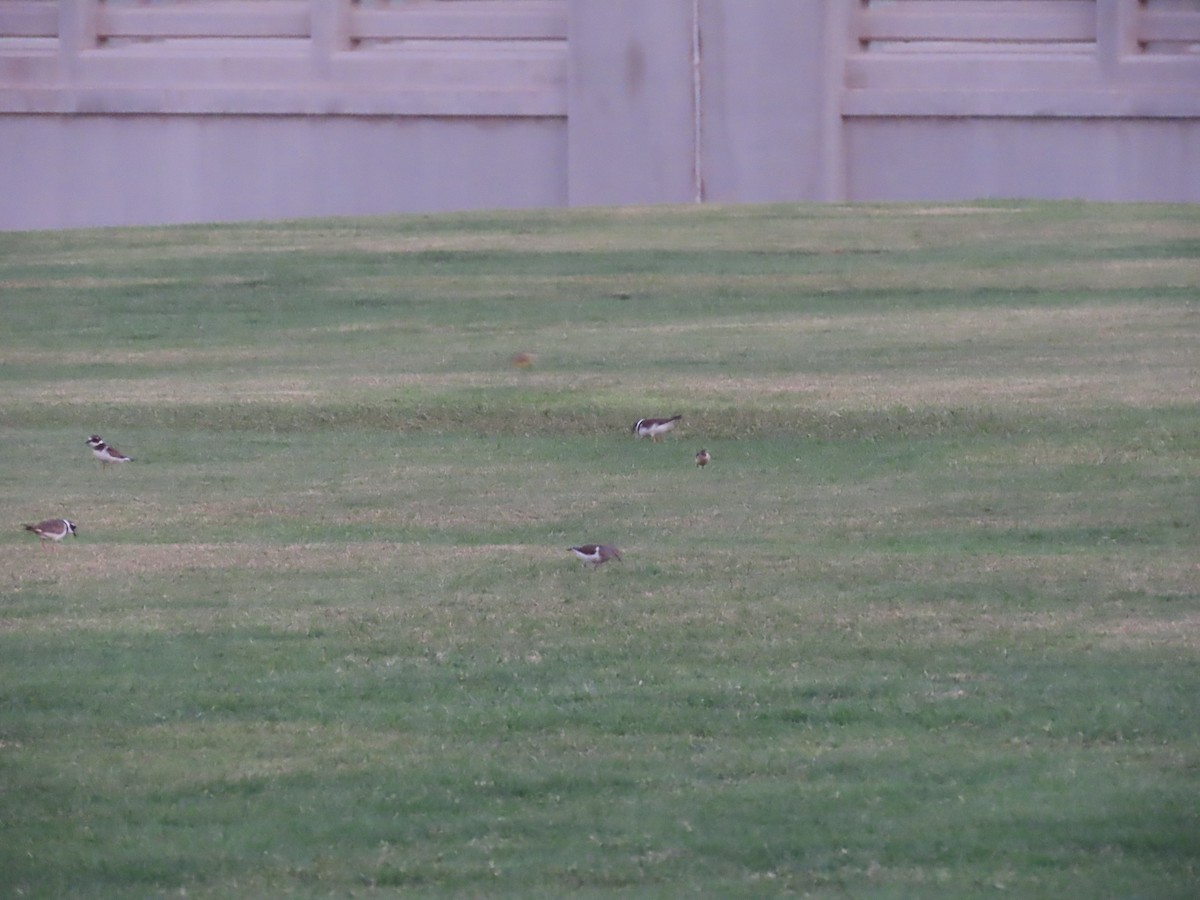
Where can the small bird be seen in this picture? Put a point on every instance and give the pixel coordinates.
(52, 529)
(702, 458)
(655, 428)
(523, 360)
(106, 453)
(595, 554)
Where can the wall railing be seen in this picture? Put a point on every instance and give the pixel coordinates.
(1040, 58)
(420, 57)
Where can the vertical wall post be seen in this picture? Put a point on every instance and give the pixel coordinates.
(1116, 33)
(697, 107)
(630, 124)
(841, 38)
(77, 32)
(329, 25)
(678, 101)
(764, 108)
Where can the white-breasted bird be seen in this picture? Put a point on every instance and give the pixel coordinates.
(52, 529)
(595, 554)
(106, 453)
(654, 428)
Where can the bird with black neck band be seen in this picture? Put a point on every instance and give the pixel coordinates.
(106, 453)
(596, 554)
(655, 428)
(53, 530)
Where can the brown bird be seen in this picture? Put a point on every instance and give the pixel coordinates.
(523, 360)
(654, 428)
(595, 554)
(702, 458)
(52, 529)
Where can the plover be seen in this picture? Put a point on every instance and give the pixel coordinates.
(654, 428)
(702, 458)
(595, 554)
(52, 529)
(106, 453)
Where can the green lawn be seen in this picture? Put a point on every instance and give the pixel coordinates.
(927, 626)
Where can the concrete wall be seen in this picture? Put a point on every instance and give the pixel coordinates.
(1155, 160)
(630, 103)
(72, 171)
(678, 101)
(119, 112)
(768, 96)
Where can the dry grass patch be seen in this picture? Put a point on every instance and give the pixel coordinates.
(957, 622)
(299, 387)
(281, 748)
(84, 283)
(842, 393)
(159, 356)
(124, 560)
(1180, 632)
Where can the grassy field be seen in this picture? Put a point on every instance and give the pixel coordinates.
(927, 626)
